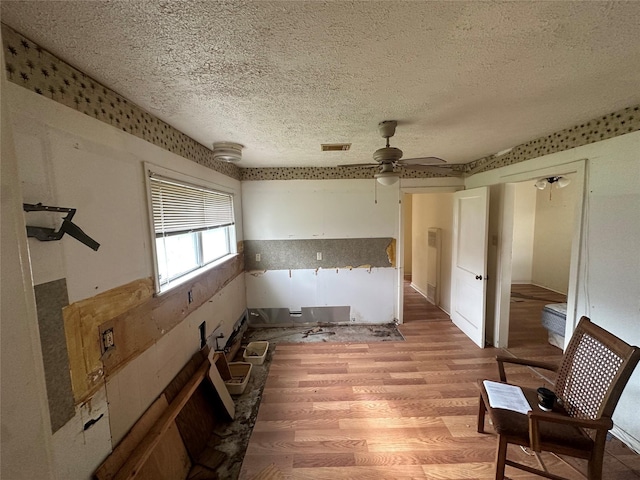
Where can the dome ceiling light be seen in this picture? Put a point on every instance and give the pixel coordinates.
(227, 152)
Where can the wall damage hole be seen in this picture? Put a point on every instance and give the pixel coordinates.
(92, 422)
(202, 329)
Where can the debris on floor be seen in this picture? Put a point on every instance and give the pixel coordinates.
(229, 441)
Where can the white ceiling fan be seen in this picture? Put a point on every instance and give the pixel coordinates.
(388, 159)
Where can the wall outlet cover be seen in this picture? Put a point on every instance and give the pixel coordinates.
(107, 339)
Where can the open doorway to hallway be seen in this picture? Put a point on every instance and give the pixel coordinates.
(427, 231)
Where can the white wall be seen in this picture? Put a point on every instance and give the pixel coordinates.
(608, 288)
(432, 210)
(523, 230)
(68, 159)
(25, 446)
(316, 209)
(407, 208)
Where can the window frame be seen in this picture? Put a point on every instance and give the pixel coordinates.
(151, 170)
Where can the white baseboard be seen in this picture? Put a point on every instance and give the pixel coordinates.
(419, 290)
(548, 288)
(424, 294)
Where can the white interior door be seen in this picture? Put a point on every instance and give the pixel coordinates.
(469, 271)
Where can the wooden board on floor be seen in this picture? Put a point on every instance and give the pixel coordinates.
(113, 463)
(169, 459)
(165, 422)
(197, 419)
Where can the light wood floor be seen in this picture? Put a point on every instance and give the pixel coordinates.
(525, 327)
(416, 307)
(388, 410)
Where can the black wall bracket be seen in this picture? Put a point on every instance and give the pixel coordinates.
(45, 234)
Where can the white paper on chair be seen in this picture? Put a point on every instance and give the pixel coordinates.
(508, 397)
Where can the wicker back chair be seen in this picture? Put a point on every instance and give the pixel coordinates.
(594, 371)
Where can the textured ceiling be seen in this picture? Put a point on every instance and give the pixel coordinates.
(464, 79)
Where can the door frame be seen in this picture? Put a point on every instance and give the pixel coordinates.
(504, 266)
(414, 187)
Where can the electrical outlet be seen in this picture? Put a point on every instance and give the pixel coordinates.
(319, 256)
(258, 257)
(107, 339)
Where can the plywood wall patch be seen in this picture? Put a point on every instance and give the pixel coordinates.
(82, 320)
(137, 329)
(138, 320)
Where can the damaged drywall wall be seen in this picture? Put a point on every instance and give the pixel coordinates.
(319, 253)
(136, 317)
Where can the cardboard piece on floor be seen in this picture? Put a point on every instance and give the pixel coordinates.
(223, 366)
(221, 388)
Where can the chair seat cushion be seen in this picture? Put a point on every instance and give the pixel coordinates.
(516, 425)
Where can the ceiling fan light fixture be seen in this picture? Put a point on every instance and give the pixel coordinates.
(560, 182)
(541, 184)
(227, 152)
(387, 178)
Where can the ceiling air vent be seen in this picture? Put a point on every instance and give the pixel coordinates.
(335, 147)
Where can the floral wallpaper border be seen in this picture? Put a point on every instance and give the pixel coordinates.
(32, 67)
(29, 65)
(611, 125)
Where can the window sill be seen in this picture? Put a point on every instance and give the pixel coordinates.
(190, 276)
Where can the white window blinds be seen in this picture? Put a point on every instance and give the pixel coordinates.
(180, 208)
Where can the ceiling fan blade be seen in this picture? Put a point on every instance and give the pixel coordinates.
(421, 161)
(439, 169)
(360, 165)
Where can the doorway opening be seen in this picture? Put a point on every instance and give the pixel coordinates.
(545, 225)
(541, 255)
(427, 227)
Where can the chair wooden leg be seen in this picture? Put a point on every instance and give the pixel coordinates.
(501, 457)
(594, 467)
(482, 409)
